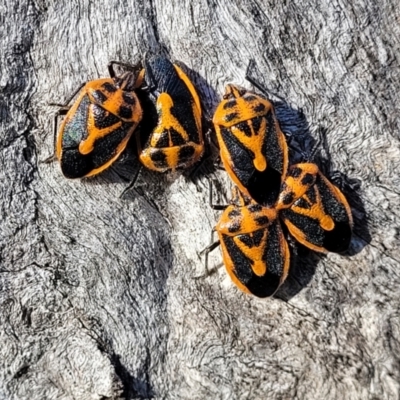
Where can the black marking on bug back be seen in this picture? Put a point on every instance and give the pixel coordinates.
(260, 286)
(74, 164)
(312, 194)
(302, 203)
(252, 239)
(159, 158)
(98, 96)
(271, 147)
(338, 240)
(102, 118)
(128, 98)
(295, 172)
(256, 122)
(257, 237)
(307, 179)
(125, 112)
(234, 213)
(106, 147)
(250, 97)
(185, 154)
(264, 187)
(259, 107)
(245, 128)
(163, 140)
(246, 239)
(230, 117)
(254, 207)
(176, 138)
(288, 198)
(75, 130)
(262, 220)
(230, 104)
(234, 227)
(162, 77)
(109, 87)
(332, 204)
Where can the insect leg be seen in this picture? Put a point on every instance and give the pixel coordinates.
(206, 251)
(130, 67)
(65, 105)
(257, 84)
(61, 112)
(219, 207)
(132, 183)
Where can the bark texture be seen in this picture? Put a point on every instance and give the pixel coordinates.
(98, 295)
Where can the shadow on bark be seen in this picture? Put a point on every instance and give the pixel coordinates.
(304, 147)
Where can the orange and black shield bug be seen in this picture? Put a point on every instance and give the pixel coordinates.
(314, 210)
(98, 126)
(252, 146)
(254, 249)
(171, 134)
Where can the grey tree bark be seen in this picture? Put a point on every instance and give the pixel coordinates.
(98, 295)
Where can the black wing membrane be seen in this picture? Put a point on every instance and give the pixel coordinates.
(337, 240)
(161, 76)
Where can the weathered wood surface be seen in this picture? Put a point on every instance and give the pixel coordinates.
(98, 296)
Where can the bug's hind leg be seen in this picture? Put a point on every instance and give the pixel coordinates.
(206, 251)
(61, 112)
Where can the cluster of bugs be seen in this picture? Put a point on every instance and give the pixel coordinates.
(159, 100)
(271, 199)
